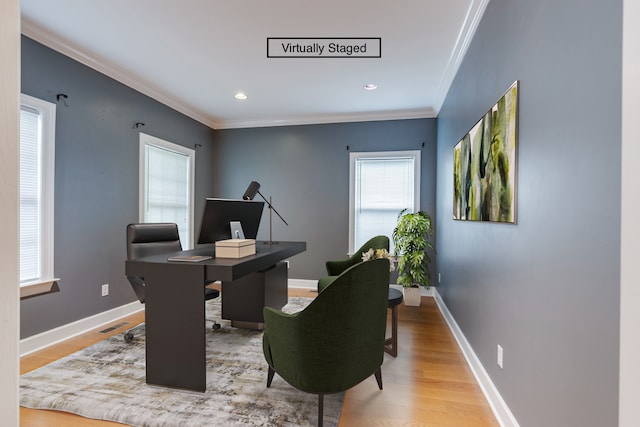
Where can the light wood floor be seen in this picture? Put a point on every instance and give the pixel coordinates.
(427, 384)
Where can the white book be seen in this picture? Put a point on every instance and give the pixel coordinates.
(189, 258)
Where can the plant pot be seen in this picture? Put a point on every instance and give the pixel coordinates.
(412, 296)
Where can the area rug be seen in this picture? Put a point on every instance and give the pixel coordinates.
(107, 382)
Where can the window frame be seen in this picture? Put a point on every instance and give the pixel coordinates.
(354, 157)
(145, 140)
(47, 132)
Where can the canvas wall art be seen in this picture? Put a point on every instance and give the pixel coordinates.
(484, 165)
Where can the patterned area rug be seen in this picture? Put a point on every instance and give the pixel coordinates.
(107, 381)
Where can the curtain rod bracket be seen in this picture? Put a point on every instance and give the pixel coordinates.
(63, 97)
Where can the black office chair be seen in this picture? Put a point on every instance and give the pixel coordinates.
(151, 239)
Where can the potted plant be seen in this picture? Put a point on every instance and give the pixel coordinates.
(411, 238)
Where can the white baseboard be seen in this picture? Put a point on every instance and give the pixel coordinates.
(64, 332)
(303, 284)
(54, 336)
(313, 284)
(497, 403)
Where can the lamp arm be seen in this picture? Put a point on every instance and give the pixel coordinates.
(271, 207)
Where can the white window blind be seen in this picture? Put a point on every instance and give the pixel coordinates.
(382, 185)
(167, 185)
(37, 151)
(30, 178)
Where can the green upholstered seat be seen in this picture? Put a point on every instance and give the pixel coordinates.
(337, 341)
(334, 268)
(325, 281)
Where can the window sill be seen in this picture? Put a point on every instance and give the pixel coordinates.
(31, 289)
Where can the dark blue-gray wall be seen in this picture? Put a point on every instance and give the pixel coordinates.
(546, 289)
(305, 169)
(96, 181)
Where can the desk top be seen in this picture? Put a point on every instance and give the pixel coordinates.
(225, 269)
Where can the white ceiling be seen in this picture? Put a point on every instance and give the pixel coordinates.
(193, 55)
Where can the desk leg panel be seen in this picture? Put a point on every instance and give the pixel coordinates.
(244, 299)
(175, 326)
(276, 292)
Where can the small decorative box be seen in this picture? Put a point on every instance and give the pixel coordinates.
(235, 248)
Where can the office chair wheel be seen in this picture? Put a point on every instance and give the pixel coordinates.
(215, 326)
(128, 337)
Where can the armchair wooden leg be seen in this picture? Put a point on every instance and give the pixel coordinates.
(378, 375)
(270, 376)
(391, 344)
(320, 409)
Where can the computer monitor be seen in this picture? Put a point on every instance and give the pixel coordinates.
(219, 213)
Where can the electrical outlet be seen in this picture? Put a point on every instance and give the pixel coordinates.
(500, 356)
(105, 289)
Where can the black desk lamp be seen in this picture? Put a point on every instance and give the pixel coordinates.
(252, 190)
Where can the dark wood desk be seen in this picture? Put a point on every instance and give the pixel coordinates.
(174, 312)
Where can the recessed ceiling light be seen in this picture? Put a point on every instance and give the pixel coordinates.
(370, 86)
(240, 95)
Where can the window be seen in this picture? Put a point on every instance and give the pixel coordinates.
(381, 185)
(37, 156)
(166, 185)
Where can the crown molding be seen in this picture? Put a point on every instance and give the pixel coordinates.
(329, 118)
(37, 33)
(469, 27)
(474, 15)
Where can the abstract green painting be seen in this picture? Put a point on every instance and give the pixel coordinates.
(484, 165)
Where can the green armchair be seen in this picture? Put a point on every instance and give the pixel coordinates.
(334, 268)
(337, 341)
